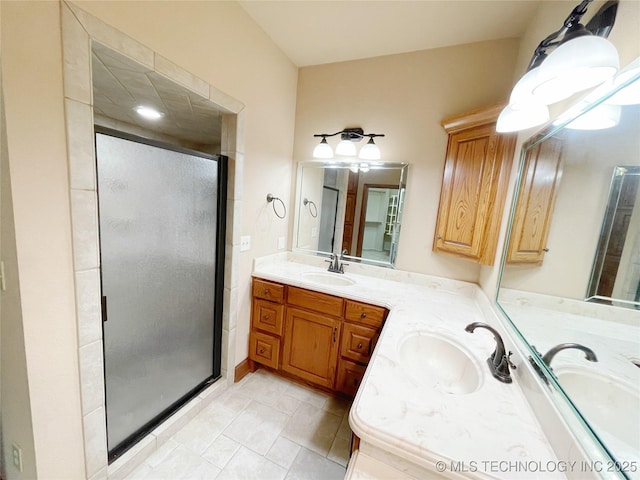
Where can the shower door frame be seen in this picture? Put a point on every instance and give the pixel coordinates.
(218, 293)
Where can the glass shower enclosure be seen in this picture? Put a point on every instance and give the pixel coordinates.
(161, 220)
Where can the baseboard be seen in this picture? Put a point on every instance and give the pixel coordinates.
(243, 369)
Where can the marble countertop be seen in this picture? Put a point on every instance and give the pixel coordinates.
(419, 423)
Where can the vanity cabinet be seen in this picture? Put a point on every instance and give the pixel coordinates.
(540, 179)
(474, 186)
(322, 339)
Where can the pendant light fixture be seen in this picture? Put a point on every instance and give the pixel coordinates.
(568, 61)
(347, 147)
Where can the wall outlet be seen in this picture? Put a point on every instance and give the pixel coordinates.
(245, 243)
(16, 453)
(282, 243)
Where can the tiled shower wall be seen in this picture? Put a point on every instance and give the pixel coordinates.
(79, 30)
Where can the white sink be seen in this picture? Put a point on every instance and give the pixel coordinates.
(608, 405)
(435, 362)
(327, 278)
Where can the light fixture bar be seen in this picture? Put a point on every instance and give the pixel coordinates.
(370, 151)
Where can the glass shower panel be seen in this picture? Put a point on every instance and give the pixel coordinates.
(158, 211)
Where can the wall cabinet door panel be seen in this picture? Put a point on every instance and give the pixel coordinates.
(474, 185)
(542, 171)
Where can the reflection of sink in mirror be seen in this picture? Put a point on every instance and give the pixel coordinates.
(335, 279)
(611, 407)
(435, 362)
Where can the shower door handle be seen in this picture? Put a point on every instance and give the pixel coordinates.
(104, 308)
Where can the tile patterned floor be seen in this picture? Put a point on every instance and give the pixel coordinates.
(264, 427)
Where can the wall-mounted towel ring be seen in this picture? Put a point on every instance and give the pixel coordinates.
(313, 210)
(270, 199)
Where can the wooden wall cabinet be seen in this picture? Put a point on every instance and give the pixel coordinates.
(322, 339)
(541, 174)
(474, 186)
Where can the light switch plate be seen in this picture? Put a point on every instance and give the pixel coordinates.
(282, 243)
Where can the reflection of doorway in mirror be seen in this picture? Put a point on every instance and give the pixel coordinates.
(377, 220)
(328, 219)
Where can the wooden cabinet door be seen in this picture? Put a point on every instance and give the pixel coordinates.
(474, 185)
(311, 346)
(539, 184)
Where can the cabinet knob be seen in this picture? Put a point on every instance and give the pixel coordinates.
(262, 350)
(266, 291)
(545, 249)
(360, 346)
(438, 237)
(363, 315)
(266, 317)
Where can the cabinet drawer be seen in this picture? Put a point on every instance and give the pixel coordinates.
(267, 316)
(264, 349)
(349, 377)
(365, 314)
(357, 342)
(273, 292)
(315, 301)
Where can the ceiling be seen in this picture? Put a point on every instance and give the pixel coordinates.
(120, 85)
(309, 32)
(313, 32)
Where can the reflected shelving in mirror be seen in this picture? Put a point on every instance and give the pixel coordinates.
(357, 209)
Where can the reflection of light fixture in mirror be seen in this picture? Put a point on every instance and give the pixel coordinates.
(347, 147)
(359, 167)
(598, 118)
(581, 58)
(630, 94)
(149, 113)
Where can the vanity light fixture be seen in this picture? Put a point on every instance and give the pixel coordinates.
(568, 61)
(347, 147)
(149, 113)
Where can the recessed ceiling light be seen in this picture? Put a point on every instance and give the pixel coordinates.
(149, 113)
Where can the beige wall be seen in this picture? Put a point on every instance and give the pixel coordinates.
(32, 83)
(217, 42)
(405, 97)
(15, 411)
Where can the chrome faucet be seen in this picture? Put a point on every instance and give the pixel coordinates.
(499, 362)
(588, 353)
(336, 262)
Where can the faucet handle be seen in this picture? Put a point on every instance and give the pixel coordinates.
(509, 362)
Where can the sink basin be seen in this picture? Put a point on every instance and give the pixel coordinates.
(435, 362)
(335, 279)
(608, 405)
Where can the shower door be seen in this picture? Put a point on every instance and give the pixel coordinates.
(162, 257)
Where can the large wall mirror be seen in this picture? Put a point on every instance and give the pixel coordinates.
(571, 268)
(351, 208)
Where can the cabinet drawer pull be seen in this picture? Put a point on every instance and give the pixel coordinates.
(363, 315)
(335, 330)
(360, 346)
